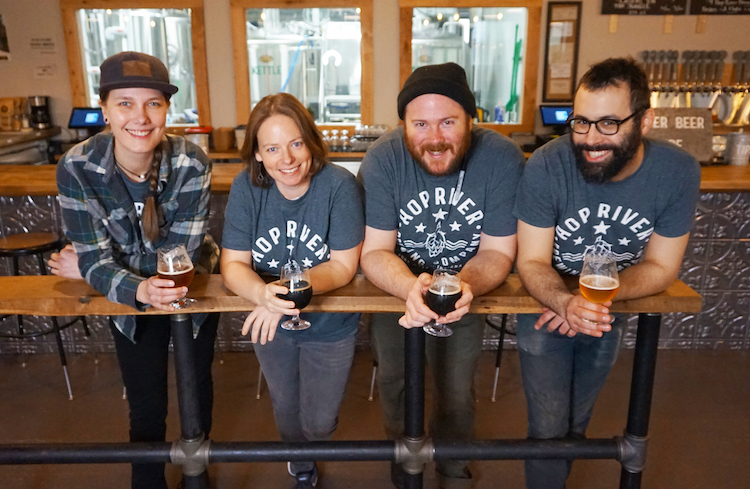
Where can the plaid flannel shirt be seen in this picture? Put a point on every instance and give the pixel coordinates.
(99, 217)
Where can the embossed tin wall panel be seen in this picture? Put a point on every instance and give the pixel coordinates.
(716, 264)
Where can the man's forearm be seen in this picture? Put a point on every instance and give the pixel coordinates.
(388, 272)
(644, 279)
(545, 285)
(486, 270)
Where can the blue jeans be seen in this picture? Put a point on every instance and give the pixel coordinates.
(306, 380)
(452, 361)
(562, 377)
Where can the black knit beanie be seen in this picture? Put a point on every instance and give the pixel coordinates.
(447, 79)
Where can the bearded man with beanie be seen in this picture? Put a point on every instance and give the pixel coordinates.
(439, 193)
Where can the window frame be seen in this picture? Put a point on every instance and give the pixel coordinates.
(241, 63)
(73, 46)
(530, 56)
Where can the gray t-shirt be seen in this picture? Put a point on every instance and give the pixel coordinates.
(437, 228)
(659, 197)
(137, 190)
(328, 217)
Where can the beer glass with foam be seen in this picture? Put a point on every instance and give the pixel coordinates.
(174, 264)
(599, 281)
(441, 297)
(297, 280)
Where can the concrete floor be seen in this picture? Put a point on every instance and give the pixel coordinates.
(700, 424)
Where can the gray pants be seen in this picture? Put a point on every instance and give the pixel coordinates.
(452, 361)
(306, 380)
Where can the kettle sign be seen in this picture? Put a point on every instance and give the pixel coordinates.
(266, 70)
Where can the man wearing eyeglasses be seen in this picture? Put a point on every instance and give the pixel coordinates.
(602, 183)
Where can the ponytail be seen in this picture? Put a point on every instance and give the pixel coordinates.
(150, 218)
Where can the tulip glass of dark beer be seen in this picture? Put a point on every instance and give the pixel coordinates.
(174, 264)
(441, 297)
(599, 281)
(297, 280)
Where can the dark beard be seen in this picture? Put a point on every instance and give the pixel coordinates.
(621, 155)
(416, 153)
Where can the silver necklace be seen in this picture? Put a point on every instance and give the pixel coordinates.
(142, 177)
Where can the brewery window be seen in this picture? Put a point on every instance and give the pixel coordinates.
(166, 33)
(315, 54)
(497, 46)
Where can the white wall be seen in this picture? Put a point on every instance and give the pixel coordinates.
(26, 19)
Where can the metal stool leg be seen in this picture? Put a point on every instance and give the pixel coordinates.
(87, 332)
(372, 381)
(502, 330)
(56, 327)
(260, 382)
(61, 350)
(499, 356)
(19, 317)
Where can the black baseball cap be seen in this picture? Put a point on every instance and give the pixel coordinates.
(130, 69)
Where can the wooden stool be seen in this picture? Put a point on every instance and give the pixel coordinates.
(27, 244)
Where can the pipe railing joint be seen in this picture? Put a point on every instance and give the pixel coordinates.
(192, 455)
(414, 453)
(632, 452)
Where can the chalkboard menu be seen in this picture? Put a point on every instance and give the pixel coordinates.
(719, 7)
(649, 7)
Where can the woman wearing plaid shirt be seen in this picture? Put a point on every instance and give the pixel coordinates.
(124, 193)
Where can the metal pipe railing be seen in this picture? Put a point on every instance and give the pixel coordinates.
(194, 453)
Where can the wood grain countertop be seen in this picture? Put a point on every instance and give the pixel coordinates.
(18, 180)
(48, 295)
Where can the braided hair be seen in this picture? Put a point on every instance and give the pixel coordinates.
(151, 213)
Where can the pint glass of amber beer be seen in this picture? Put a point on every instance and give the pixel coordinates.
(599, 281)
(174, 264)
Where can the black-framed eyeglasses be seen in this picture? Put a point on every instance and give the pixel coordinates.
(608, 127)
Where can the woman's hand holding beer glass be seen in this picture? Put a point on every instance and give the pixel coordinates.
(418, 313)
(168, 289)
(283, 297)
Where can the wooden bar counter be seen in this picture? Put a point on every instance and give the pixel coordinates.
(17, 180)
(55, 296)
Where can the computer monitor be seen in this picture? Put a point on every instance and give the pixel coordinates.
(555, 116)
(86, 118)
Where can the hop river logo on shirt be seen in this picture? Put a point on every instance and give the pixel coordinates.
(626, 230)
(447, 237)
(301, 246)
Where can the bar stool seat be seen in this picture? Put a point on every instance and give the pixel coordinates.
(19, 245)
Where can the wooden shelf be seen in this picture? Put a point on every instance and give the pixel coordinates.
(17, 180)
(48, 295)
(10, 138)
(234, 154)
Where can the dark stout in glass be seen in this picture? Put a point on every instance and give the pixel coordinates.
(444, 300)
(300, 293)
(180, 277)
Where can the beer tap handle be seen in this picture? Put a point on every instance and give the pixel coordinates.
(738, 57)
(685, 84)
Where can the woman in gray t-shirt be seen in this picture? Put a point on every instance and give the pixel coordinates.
(292, 204)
